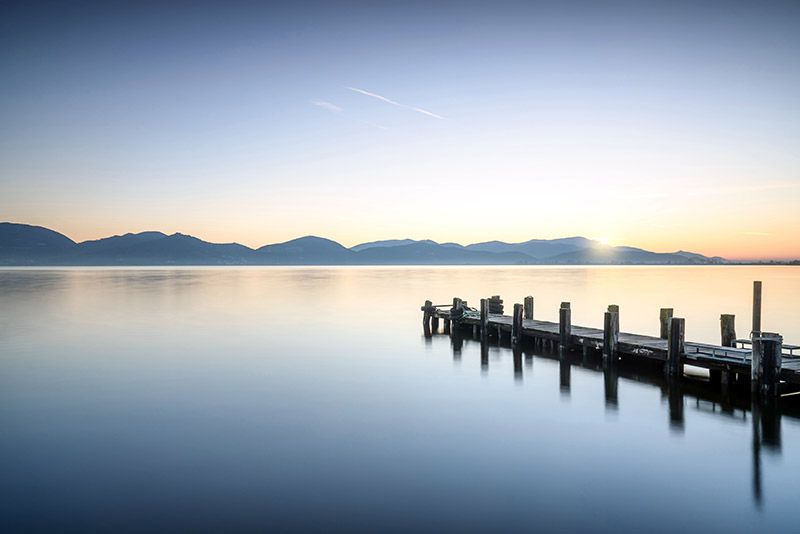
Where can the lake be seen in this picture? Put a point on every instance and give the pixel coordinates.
(308, 399)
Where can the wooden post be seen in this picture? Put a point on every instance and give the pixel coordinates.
(675, 346)
(564, 327)
(766, 364)
(665, 316)
(613, 308)
(516, 325)
(434, 321)
(447, 325)
(727, 330)
(426, 317)
(610, 335)
(756, 309)
(528, 307)
(484, 318)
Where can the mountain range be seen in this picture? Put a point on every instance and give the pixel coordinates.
(22, 244)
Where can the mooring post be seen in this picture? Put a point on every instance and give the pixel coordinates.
(665, 316)
(528, 307)
(756, 309)
(484, 318)
(516, 325)
(434, 320)
(766, 364)
(446, 325)
(426, 317)
(614, 309)
(564, 327)
(727, 330)
(675, 341)
(610, 336)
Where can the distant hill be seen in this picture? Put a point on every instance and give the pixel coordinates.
(539, 249)
(22, 244)
(430, 253)
(309, 250)
(155, 248)
(386, 243)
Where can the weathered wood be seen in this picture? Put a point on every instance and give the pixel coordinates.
(613, 308)
(528, 307)
(665, 316)
(756, 309)
(610, 335)
(496, 305)
(564, 327)
(727, 330)
(447, 326)
(434, 322)
(484, 318)
(675, 346)
(564, 305)
(726, 362)
(766, 364)
(516, 325)
(426, 317)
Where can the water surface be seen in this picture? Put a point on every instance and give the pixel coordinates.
(297, 398)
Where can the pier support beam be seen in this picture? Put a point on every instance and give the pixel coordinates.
(675, 341)
(756, 309)
(516, 325)
(610, 336)
(766, 364)
(727, 334)
(447, 326)
(564, 327)
(484, 318)
(528, 307)
(727, 330)
(434, 322)
(426, 317)
(665, 316)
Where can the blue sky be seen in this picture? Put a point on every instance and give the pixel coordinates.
(658, 124)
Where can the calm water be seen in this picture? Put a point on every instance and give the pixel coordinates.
(308, 398)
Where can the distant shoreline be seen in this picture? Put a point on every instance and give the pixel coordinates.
(23, 245)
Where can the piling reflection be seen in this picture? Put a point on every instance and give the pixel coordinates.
(728, 398)
(517, 355)
(564, 376)
(610, 385)
(675, 401)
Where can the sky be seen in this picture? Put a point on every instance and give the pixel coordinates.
(664, 125)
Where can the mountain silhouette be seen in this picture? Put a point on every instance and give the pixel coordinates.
(22, 244)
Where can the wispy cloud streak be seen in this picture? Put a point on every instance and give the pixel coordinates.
(396, 103)
(333, 108)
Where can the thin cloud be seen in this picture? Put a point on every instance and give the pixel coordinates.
(396, 103)
(333, 108)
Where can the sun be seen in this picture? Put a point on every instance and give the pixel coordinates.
(602, 240)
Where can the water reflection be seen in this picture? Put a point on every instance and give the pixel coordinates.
(710, 396)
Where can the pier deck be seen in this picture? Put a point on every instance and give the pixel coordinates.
(704, 355)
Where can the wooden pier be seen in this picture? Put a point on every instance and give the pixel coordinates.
(771, 366)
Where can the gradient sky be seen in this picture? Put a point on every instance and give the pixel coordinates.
(661, 125)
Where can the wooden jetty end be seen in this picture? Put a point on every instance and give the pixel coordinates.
(774, 361)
